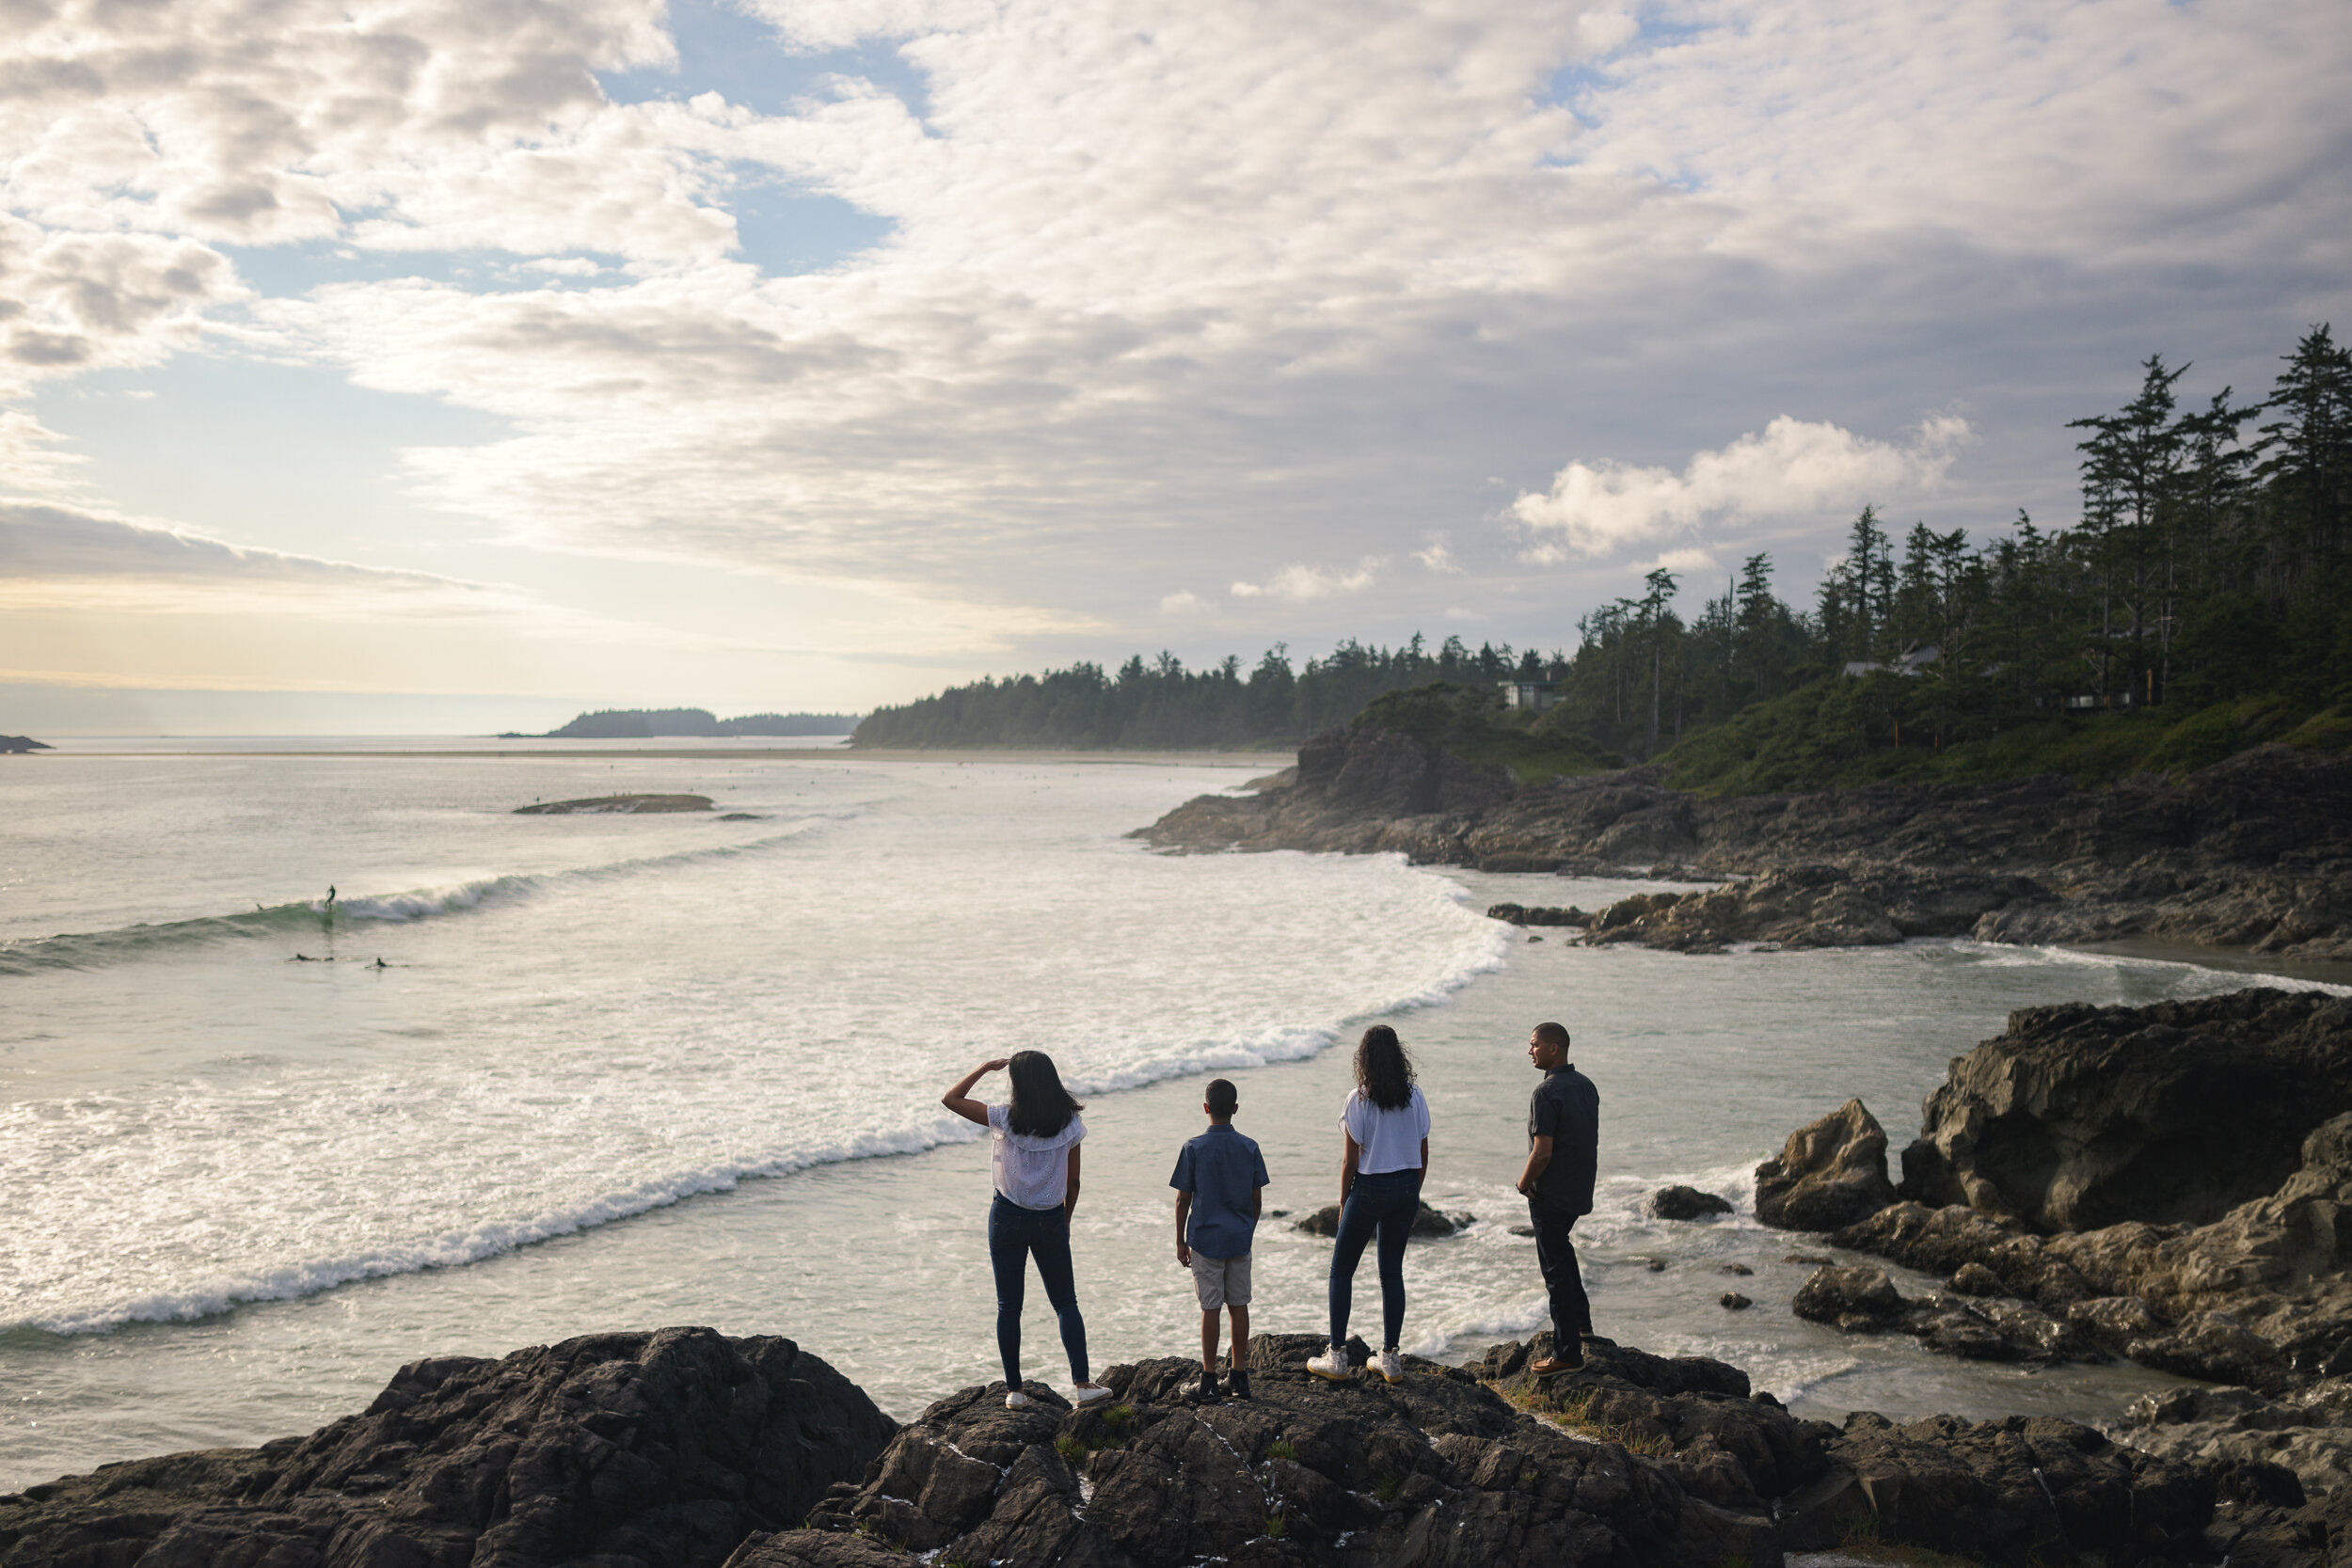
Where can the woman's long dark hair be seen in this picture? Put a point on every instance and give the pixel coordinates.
(1039, 1106)
(1383, 1071)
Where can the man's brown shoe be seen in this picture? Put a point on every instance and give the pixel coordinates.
(1551, 1364)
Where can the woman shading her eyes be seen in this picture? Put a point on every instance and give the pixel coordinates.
(1033, 1163)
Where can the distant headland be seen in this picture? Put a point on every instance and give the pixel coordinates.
(643, 723)
(21, 743)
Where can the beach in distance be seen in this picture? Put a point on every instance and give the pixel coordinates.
(250, 1187)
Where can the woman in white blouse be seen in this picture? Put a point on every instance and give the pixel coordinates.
(1385, 1154)
(1033, 1161)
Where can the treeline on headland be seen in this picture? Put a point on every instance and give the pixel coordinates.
(640, 723)
(2203, 602)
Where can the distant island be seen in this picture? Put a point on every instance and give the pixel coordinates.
(11, 744)
(643, 723)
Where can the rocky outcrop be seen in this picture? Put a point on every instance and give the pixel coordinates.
(2254, 851)
(1831, 1173)
(2079, 1117)
(1635, 1459)
(2262, 1296)
(1814, 906)
(1684, 1203)
(21, 744)
(617, 805)
(657, 1449)
(1864, 1300)
(1428, 1223)
(1522, 914)
(2309, 1434)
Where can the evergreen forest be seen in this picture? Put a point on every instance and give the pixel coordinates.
(2201, 603)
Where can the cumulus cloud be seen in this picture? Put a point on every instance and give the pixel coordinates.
(1792, 469)
(1184, 602)
(1300, 582)
(1437, 557)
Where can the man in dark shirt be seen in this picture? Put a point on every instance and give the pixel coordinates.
(1563, 1153)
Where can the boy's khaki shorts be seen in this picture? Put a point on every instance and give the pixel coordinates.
(1220, 1281)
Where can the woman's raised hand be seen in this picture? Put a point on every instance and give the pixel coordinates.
(996, 1064)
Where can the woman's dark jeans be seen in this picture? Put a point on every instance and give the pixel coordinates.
(1384, 1204)
(1014, 1234)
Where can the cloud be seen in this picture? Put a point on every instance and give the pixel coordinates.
(1678, 562)
(53, 557)
(1261, 283)
(1794, 468)
(1300, 582)
(1183, 603)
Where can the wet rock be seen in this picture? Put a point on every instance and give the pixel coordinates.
(617, 805)
(1831, 1173)
(1864, 1300)
(1974, 1280)
(1427, 1223)
(1735, 1301)
(2308, 1434)
(1740, 1269)
(2077, 1118)
(1436, 1470)
(1520, 915)
(644, 1447)
(1685, 1203)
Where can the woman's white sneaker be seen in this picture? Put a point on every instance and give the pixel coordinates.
(1332, 1365)
(1086, 1393)
(1016, 1400)
(1391, 1365)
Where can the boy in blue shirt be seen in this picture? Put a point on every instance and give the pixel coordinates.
(1220, 1186)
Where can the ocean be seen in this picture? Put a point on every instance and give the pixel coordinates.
(532, 1076)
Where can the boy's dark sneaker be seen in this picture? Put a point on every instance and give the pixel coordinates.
(1237, 1383)
(1208, 1386)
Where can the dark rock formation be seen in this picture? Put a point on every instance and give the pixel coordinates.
(1815, 906)
(1735, 1301)
(1684, 1203)
(2011, 1491)
(1436, 1470)
(2261, 1297)
(631, 1450)
(2079, 1117)
(19, 744)
(1864, 1300)
(2309, 1434)
(2254, 852)
(1428, 1222)
(1831, 1173)
(1521, 914)
(624, 805)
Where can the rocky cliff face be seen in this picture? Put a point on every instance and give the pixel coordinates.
(2254, 851)
(629, 1451)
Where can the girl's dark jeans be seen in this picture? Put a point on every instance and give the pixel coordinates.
(1383, 1204)
(1014, 1234)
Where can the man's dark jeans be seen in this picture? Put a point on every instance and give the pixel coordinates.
(1383, 1204)
(1014, 1234)
(1571, 1312)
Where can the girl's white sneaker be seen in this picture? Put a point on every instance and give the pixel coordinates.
(1332, 1365)
(1016, 1400)
(1086, 1393)
(1391, 1365)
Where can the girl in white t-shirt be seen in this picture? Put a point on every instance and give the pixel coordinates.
(1033, 1163)
(1384, 1129)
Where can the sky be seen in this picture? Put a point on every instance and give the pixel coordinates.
(451, 366)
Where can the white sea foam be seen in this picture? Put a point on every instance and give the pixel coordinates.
(737, 1014)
